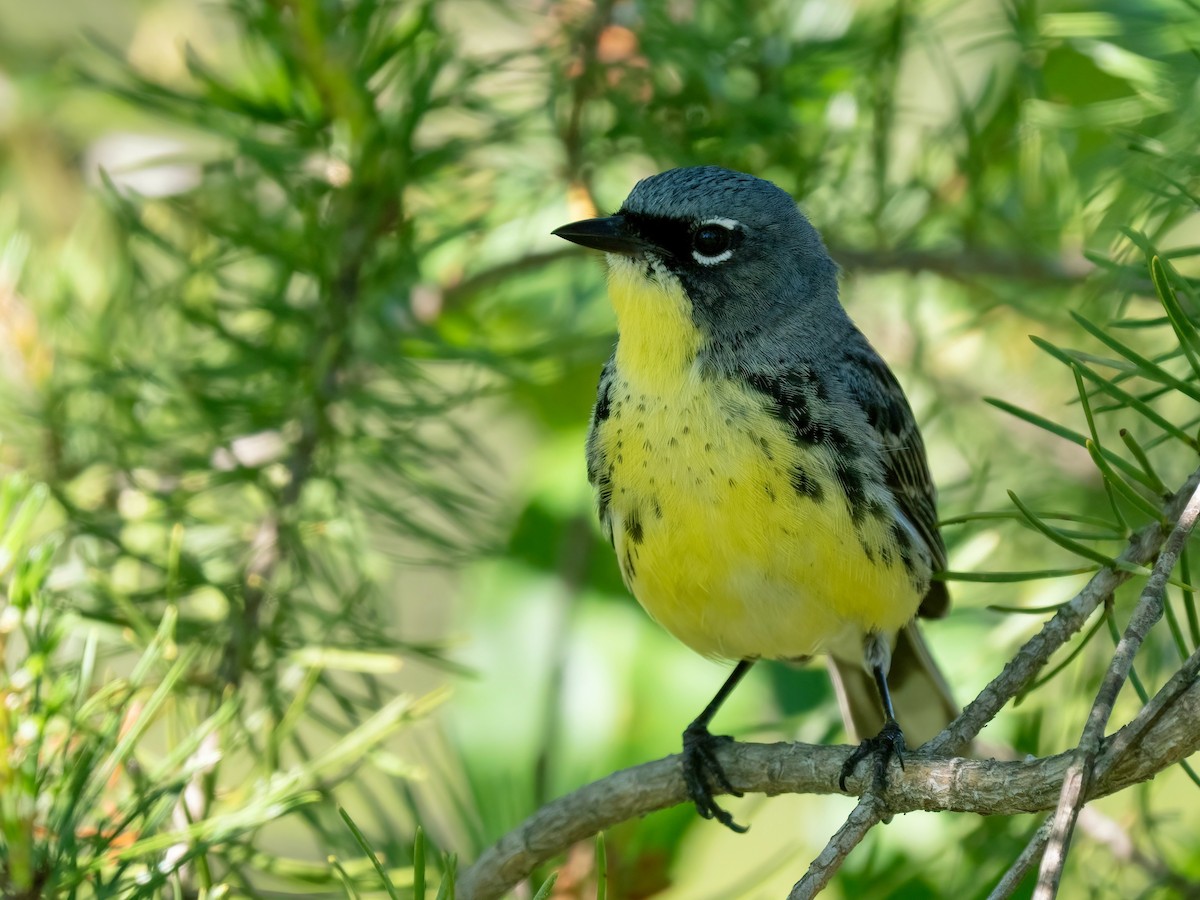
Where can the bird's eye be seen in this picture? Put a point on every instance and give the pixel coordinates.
(711, 240)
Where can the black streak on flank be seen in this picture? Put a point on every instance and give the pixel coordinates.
(633, 527)
(904, 544)
(875, 509)
(811, 382)
(805, 485)
(600, 471)
(852, 487)
(603, 496)
(603, 403)
(792, 395)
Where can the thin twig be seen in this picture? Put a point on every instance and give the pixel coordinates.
(1100, 828)
(1020, 867)
(1131, 737)
(1116, 749)
(1148, 611)
(984, 787)
(457, 293)
(927, 783)
(1024, 667)
(865, 816)
(965, 266)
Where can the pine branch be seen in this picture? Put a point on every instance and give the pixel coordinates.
(1166, 731)
(1149, 610)
(967, 266)
(1116, 748)
(984, 787)
(865, 816)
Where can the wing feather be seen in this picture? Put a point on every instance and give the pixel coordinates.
(905, 464)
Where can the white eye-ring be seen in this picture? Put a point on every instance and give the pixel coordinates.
(712, 241)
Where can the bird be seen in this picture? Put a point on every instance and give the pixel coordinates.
(756, 465)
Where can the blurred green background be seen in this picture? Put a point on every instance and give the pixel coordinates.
(296, 383)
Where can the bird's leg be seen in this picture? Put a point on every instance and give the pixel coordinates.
(890, 740)
(702, 771)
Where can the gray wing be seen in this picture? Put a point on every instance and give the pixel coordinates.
(905, 463)
(597, 464)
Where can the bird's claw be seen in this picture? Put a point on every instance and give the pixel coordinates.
(702, 771)
(885, 745)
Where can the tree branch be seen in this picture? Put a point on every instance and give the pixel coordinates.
(965, 266)
(1148, 611)
(865, 816)
(1117, 747)
(984, 787)
(1024, 667)
(929, 781)
(1012, 680)
(1027, 859)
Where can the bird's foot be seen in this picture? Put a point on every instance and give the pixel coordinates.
(702, 771)
(888, 743)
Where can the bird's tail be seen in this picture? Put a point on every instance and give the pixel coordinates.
(920, 694)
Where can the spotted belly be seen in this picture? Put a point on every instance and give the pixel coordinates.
(739, 540)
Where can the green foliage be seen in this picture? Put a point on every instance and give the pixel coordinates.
(246, 403)
(238, 422)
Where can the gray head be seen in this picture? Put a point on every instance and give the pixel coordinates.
(748, 260)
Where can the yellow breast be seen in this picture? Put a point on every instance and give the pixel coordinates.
(734, 537)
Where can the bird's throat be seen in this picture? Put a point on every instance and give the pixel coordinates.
(658, 338)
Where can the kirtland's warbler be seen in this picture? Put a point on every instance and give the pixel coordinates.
(756, 465)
